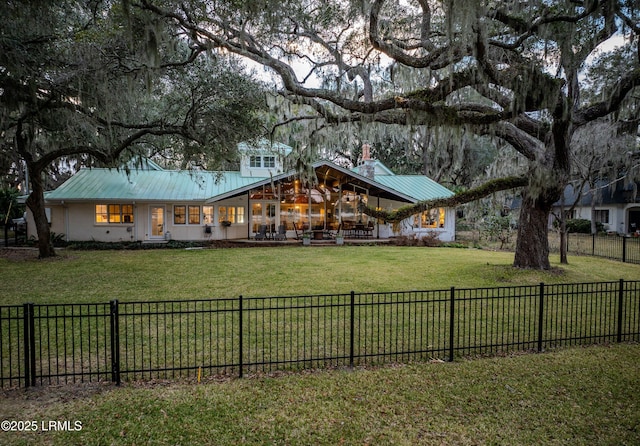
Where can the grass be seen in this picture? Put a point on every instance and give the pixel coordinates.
(574, 396)
(581, 396)
(99, 276)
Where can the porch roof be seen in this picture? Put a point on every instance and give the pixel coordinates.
(407, 188)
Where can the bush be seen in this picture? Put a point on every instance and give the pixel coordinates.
(499, 228)
(94, 245)
(431, 239)
(582, 226)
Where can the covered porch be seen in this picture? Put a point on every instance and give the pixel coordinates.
(287, 205)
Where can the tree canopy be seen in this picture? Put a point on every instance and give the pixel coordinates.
(94, 83)
(513, 71)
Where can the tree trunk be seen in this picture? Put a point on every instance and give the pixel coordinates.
(37, 206)
(532, 245)
(563, 234)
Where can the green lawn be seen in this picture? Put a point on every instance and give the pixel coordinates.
(581, 396)
(99, 276)
(574, 396)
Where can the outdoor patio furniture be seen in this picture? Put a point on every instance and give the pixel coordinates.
(298, 235)
(282, 233)
(262, 232)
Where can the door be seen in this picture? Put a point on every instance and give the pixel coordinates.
(157, 221)
(634, 221)
(263, 213)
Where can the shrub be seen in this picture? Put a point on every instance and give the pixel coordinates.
(582, 226)
(431, 239)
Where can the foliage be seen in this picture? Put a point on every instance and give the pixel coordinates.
(462, 197)
(430, 240)
(512, 73)
(9, 207)
(582, 226)
(497, 227)
(56, 240)
(94, 245)
(88, 83)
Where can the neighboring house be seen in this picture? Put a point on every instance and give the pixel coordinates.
(616, 206)
(149, 203)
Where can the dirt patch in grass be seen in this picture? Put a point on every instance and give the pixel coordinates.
(19, 254)
(28, 402)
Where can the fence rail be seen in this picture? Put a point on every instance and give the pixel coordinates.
(114, 341)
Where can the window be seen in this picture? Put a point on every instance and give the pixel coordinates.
(207, 214)
(262, 161)
(231, 213)
(127, 213)
(433, 218)
(255, 161)
(269, 161)
(179, 215)
(101, 213)
(194, 215)
(114, 213)
(601, 215)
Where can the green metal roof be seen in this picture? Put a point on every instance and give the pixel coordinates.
(148, 185)
(419, 187)
(171, 185)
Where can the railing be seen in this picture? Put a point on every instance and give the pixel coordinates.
(53, 344)
(625, 249)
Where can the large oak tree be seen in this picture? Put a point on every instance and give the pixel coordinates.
(509, 69)
(94, 83)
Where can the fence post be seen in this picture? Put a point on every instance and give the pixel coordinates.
(593, 244)
(240, 330)
(452, 307)
(32, 342)
(114, 317)
(624, 249)
(620, 308)
(352, 325)
(541, 316)
(26, 323)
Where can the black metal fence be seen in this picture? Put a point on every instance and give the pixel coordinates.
(614, 247)
(53, 344)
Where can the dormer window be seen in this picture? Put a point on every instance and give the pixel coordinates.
(255, 161)
(268, 161)
(262, 161)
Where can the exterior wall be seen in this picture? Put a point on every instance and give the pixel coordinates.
(56, 221)
(618, 214)
(80, 225)
(406, 227)
(77, 220)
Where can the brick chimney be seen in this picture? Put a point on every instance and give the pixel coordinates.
(368, 166)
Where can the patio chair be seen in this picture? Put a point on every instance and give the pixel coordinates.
(298, 235)
(282, 233)
(262, 232)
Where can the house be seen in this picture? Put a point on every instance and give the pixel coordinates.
(616, 206)
(148, 203)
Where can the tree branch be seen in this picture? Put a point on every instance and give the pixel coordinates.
(468, 196)
(619, 91)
